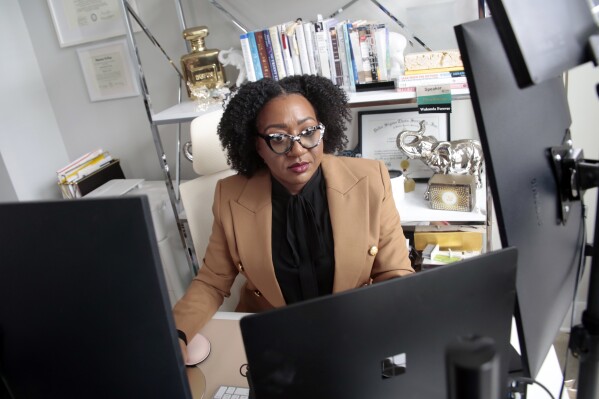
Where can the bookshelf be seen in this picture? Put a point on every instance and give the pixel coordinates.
(413, 208)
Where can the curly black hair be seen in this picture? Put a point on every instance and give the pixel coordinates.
(237, 129)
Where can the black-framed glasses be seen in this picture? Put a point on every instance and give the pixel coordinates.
(281, 143)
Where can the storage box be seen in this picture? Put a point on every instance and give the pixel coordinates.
(452, 192)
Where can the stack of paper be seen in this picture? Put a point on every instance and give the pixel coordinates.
(83, 166)
(74, 173)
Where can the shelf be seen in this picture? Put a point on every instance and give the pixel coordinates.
(187, 110)
(414, 209)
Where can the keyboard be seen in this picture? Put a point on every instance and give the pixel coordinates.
(227, 392)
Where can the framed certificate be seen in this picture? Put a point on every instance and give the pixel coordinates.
(378, 132)
(82, 21)
(108, 70)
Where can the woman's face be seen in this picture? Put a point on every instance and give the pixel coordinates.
(289, 114)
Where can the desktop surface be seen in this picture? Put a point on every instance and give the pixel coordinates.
(227, 360)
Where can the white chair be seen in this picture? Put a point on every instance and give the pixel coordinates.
(197, 195)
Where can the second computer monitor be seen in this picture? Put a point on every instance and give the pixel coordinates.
(387, 340)
(517, 127)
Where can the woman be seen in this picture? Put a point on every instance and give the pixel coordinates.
(296, 221)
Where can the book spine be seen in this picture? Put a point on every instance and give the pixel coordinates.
(276, 49)
(338, 78)
(433, 70)
(430, 82)
(356, 56)
(263, 56)
(255, 56)
(270, 54)
(302, 47)
(372, 55)
(247, 57)
(365, 74)
(309, 36)
(439, 75)
(294, 50)
(350, 65)
(343, 55)
(456, 88)
(381, 38)
(286, 51)
(322, 50)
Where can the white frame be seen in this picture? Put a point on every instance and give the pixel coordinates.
(378, 131)
(108, 78)
(76, 25)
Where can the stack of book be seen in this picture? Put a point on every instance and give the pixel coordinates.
(442, 67)
(348, 52)
(88, 172)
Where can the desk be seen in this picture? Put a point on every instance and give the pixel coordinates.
(227, 355)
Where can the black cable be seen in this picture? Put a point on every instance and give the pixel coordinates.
(579, 274)
(533, 381)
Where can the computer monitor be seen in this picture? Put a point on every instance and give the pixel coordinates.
(543, 38)
(387, 340)
(84, 310)
(517, 127)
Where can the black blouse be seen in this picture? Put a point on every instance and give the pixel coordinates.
(302, 240)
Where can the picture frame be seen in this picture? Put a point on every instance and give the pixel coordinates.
(78, 22)
(108, 70)
(377, 138)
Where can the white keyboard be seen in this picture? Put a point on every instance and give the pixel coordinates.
(226, 392)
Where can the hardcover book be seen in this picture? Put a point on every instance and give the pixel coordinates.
(285, 48)
(365, 72)
(275, 40)
(255, 56)
(247, 57)
(322, 49)
(337, 77)
(262, 54)
(302, 47)
(310, 47)
(270, 54)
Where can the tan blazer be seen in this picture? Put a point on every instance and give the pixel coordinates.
(369, 242)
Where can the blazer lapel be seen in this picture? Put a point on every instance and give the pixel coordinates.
(348, 206)
(252, 218)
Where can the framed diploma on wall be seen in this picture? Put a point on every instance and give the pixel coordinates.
(82, 21)
(379, 132)
(108, 70)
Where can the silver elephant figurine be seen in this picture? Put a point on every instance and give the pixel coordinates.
(458, 157)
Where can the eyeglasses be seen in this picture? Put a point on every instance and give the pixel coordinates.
(281, 143)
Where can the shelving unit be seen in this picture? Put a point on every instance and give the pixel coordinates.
(413, 208)
(182, 112)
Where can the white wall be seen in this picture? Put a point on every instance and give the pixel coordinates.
(584, 106)
(120, 126)
(31, 146)
(7, 190)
